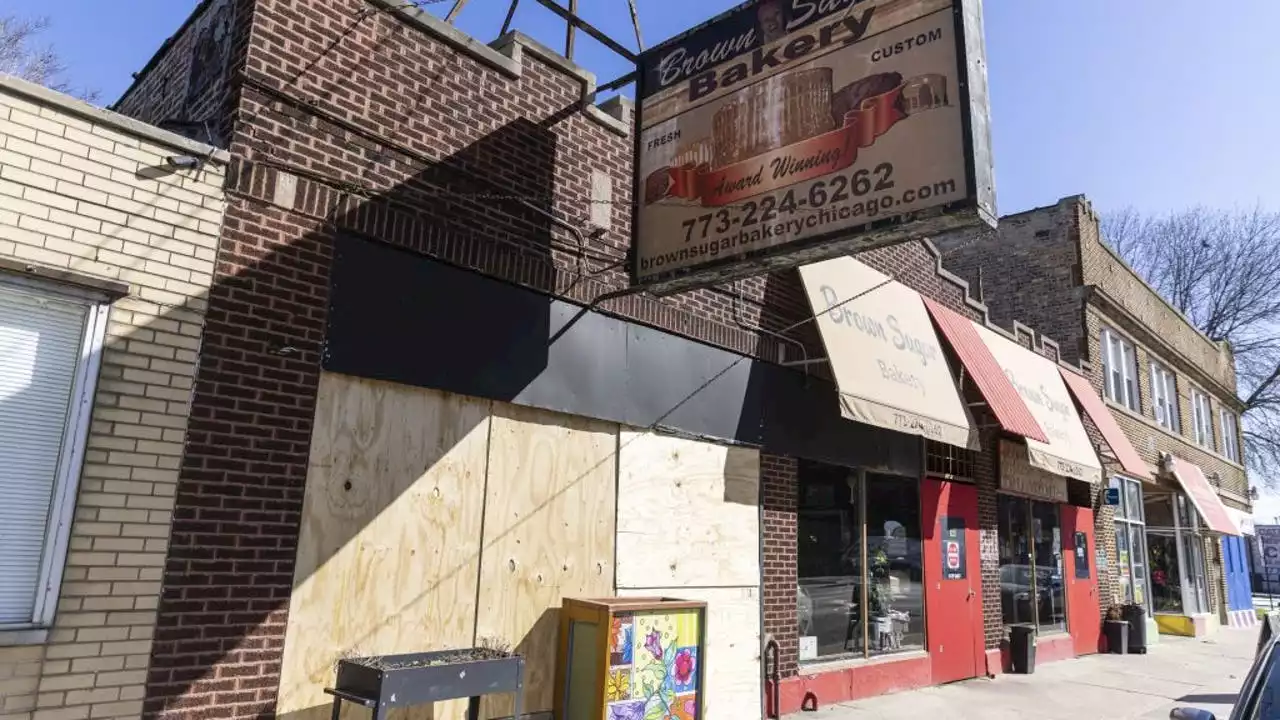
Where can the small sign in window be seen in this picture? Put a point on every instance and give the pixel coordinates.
(953, 555)
(1082, 556)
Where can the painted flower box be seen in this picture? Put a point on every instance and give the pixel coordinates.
(631, 659)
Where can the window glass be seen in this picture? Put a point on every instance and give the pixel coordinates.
(1016, 589)
(1031, 580)
(856, 599)
(1166, 579)
(1133, 500)
(829, 558)
(1158, 510)
(1193, 549)
(1130, 359)
(1266, 704)
(1138, 551)
(895, 593)
(1164, 398)
(1202, 417)
(1230, 439)
(40, 357)
(1124, 562)
(1121, 510)
(1046, 532)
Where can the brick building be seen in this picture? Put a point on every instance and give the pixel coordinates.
(428, 407)
(106, 258)
(1170, 388)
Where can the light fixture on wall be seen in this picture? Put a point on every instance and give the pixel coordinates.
(184, 162)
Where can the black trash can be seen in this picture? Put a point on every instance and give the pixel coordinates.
(1136, 615)
(1117, 636)
(1022, 648)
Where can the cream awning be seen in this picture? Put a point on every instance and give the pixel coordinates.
(1069, 451)
(884, 353)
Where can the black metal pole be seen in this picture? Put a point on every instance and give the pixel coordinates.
(570, 30)
(511, 13)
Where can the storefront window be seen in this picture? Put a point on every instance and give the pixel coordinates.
(1166, 578)
(858, 598)
(1175, 551)
(1031, 578)
(1130, 545)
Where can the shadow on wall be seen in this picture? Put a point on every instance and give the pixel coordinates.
(230, 570)
(416, 520)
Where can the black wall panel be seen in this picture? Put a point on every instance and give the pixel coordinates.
(408, 319)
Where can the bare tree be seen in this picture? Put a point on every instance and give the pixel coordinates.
(1221, 270)
(21, 57)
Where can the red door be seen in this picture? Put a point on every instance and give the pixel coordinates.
(952, 580)
(1084, 615)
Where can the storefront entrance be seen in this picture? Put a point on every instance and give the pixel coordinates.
(953, 600)
(1083, 608)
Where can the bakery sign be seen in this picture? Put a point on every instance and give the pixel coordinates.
(788, 131)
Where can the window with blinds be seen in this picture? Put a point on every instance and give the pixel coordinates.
(41, 342)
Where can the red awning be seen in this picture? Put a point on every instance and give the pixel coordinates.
(1005, 403)
(1202, 495)
(1084, 394)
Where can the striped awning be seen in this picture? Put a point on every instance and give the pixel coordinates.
(1202, 495)
(1067, 450)
(1129, 459)
(981, 366)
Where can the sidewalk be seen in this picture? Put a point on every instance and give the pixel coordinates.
(1176, 672)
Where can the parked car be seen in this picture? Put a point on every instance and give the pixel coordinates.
(1259, 696)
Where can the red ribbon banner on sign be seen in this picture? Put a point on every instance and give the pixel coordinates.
(812, 158)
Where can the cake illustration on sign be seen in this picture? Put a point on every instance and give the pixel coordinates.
(785, 129)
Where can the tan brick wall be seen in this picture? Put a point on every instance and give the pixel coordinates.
(1149, 438)
(1102, 268)
(71, 198)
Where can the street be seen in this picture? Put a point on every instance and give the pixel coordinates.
(1176, 672)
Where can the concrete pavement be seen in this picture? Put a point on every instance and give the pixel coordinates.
(1176, 672)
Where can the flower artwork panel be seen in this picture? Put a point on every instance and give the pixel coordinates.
(664, 668)
(620, 641)
(626, 710)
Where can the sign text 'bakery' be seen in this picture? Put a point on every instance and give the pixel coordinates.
(788, 130)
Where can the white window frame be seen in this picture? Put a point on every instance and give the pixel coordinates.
(1164, 398)
(1202, 418)
(1230, 435)
(70, 458)
(1119, 352)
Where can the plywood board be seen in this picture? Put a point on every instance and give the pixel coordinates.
(688, 513)
(548, 534)
(732, 653)
(389, 545)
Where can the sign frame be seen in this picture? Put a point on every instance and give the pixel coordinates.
(977, 209)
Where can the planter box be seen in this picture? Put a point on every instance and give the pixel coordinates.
(391, 681)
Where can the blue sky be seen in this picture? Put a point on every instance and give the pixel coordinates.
(1156, 105)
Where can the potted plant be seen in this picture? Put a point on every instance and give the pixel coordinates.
(880, 601)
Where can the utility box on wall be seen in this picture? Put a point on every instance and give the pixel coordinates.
(631, 659)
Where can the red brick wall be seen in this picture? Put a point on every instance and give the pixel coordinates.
(167, 90)
(778, 539)
(347, 119)
(398, 136)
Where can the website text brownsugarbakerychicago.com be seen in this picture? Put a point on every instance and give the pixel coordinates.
(783, 215)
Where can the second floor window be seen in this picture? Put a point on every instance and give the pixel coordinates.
(1164, 398)
(1120, 365)
(1202, 418)
(1230, 437)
